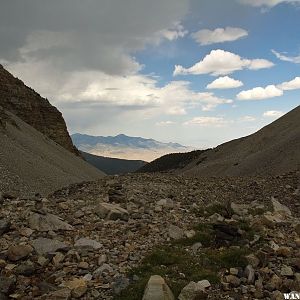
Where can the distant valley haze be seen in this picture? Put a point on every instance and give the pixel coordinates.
(126, 147)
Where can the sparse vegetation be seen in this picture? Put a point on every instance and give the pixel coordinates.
(179, 265)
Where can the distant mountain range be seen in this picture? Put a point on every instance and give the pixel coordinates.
(125, 147)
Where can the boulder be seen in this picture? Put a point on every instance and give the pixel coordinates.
(111, 212)
(195, 290)
(44, 246)
(280, 208)
(175, 232)
(87, 244)
(47, 222)
(157, 289)
(18, 252)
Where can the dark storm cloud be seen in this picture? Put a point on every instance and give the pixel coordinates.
(94, 34)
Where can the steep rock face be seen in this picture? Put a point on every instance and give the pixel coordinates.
(33, 109)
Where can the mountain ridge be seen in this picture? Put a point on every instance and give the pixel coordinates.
(33, 109)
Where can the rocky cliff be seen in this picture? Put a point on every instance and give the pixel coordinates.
(33, 109)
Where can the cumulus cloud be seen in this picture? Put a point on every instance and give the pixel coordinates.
(225, 82)
(267, 3)
(290, 85)
(273, 114)
(207, 121)
(260, 93)
(292, 59)
(220, 62)
(218, 35)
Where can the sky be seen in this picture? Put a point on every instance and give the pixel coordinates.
(197, 72)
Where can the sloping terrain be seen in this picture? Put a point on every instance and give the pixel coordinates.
(31, 162)
(113, 166)
(125, 147)
(33, 109)
(103, 240)
(274, 149)
(170, 162)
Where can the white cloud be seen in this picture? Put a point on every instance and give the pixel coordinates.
(219, 35)
(220, 62)
(175, 32)
(165, 123)
(224, 83)
(292, 59)
(290, 85)
(273, 114)
(208, 121)
(267, 3)
(260, 93)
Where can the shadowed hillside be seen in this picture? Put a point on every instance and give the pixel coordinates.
(113, 166)
(171, 162)
(272, 150)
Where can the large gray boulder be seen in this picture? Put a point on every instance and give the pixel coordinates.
(47, 222)
(157, 289)
(111, 212)
(44, 246)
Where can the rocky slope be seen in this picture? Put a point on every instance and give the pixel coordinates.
(215, 238)
(33, 109)
(272, 150)
(31, 162)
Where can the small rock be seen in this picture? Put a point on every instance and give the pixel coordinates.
(195, 247)
(216, 218)
(58, 259)
(167, 203)
(253, 260)
(190, 233)
(7, 284)
(104, 268)
(234, 271)
(250, 275)
(26, 269)
(62, 294)
(157, 289)
(286, 271)
(17, 252)
(297, 229)
(233, 280)
(83, 265)
(239, 209)
(4, 226)
(77, 286)
(119, 285)
(175, 232)
(26, 231)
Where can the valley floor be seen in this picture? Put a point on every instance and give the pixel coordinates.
(103, 239)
